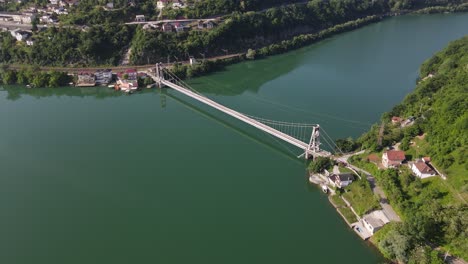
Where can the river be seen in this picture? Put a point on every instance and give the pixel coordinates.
(93, 176)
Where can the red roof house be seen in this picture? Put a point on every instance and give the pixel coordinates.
(422, 170)
(396, 120)
(393, 158)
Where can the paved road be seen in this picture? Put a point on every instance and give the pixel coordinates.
(386, 207)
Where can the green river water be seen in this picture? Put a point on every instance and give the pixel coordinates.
(93, 176)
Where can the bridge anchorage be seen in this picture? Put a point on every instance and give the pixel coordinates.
(296, 134)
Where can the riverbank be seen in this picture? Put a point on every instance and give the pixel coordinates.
(207, 66)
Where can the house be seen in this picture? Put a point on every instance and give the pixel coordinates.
(20, 35)
(166, 27)
(396, 120)
(341, 180)
(161, 4)
(192, 60)
(48, 19)
(70, 2)
(30, 42)
(140, 18)
(422, 169)
(60, 10)
(393, 158)
(200, 24)
(86, 79)
(54, 2)
(209, 24)
(205, 24)
(374, 221)
(5, 18)
(178, 4)
(103, 77)
(110, 5)
(24, 18)
(128, 80)
(179, 27)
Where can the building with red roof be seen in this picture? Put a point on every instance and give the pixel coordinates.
(422, 169)
(393, 158)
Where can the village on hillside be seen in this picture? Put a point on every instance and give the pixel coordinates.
(354, 192)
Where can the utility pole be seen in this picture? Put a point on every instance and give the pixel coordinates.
(381, 132)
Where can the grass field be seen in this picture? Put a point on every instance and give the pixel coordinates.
(348, 214)
(361, 197)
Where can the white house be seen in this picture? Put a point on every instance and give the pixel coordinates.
(393, 158)
(140, 18)
(20, 35)
(422, 170)
(178, 4)
(161, 4)
(341, 180)
(374, 221)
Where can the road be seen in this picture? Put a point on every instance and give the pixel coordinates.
(386, 207)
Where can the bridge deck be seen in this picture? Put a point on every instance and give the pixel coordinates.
(285, 137)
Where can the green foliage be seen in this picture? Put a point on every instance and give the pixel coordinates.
(348, 214)
(102, 44)
(251, 54)
(31, 75)
(346, 145)
(320, 164)
(361, 197)
(9, 77)
(439, 107)
(336, 199)
(396, 245)
(433, 210)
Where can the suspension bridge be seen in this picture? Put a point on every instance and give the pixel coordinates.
(303, 136)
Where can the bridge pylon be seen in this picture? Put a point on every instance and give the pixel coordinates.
(159, 74)
(314, 143)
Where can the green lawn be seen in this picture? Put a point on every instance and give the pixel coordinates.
(336, 199)
(345, 170)
(456, 182)
(348, 214)
(360, 161)
(361, 197)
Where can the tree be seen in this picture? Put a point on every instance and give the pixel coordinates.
(424, 255)
(345, 145)
(251, 54)
(396, 245)
(320, 164)
(9, 77)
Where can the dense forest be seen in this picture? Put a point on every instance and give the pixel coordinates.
(90, 35)
(241, 31)
(434, 211)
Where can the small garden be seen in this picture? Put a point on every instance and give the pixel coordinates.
(361, 197)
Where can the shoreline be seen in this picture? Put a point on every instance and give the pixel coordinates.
(219, 63)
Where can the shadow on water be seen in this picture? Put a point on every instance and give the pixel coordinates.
(15, 92)
(235, 128)
(248, 75)
(253, 74)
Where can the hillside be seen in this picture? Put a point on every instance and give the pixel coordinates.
(433, 210)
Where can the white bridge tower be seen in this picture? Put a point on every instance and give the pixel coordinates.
(314, 143)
